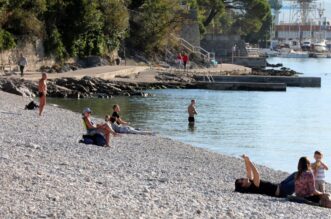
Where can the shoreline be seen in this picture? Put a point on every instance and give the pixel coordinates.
(133, 81)
(140, 176)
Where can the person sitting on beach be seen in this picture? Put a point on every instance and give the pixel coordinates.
(97, 128)
(305, 185)
(319, 168)
(121, 126)
(305, 182)
(253, 184)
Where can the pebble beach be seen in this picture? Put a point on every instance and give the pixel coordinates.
(46, 173)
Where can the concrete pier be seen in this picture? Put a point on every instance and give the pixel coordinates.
(288, 81)
(242, 86)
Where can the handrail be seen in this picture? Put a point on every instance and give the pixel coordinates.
(194, 49)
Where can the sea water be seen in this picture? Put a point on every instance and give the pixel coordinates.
(274, 128)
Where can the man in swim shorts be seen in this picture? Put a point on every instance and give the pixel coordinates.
(42, 91)
(191, 112)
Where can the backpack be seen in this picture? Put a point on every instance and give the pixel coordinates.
(96, 139)
(31, 106)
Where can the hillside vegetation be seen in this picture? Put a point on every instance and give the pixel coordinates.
(79, 28)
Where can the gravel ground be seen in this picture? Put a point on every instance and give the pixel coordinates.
(45, 173)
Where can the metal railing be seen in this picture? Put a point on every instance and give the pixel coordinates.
(193, 49)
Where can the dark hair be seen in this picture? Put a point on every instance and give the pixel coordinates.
(303, 166)
(238, 186)
(318, 153)
(116, 105)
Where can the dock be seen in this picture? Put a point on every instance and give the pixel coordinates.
(313, 82)
(242, 86)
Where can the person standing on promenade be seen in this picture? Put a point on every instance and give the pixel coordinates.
(22, 63)
(191, 112)
(185, 60)
(42, 91)
(319, 171)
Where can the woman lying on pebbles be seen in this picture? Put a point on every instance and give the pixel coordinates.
(253, 184)
(97, 128)
(121, 126)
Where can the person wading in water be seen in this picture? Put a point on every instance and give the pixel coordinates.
(191, 112)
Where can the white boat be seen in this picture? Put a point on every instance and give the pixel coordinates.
(294, 54)
(320, 47)
(269, 52)
(320, 55)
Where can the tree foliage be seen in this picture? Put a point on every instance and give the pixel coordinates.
(78, 28)
(152, 22)
(245, 17)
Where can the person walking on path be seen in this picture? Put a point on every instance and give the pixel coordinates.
(191, 112)
(185, 60)
(22, 62)
(42, 91)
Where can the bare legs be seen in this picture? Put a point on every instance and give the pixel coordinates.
(106, 130)
(42, 103)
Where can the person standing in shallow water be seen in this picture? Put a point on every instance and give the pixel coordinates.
(191, 112)
(42, 91)
(22, 63)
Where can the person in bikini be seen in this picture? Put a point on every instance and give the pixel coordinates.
(42, 91)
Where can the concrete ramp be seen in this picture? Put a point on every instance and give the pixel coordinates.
(104, 72)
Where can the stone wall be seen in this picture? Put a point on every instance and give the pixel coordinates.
(190, 30)
(34, 52)
(222, 45)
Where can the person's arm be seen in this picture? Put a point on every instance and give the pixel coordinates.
(88, 123)
(311, 184)
(120, 121)
(195, 111)
(256, 174)
(324, 166)
(313, 166)
(249, 173)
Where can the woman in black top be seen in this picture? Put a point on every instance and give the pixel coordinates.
(121, 126)
(115, 117)
(253, 184)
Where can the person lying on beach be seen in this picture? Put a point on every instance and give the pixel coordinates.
(305, 185)
(97, 128)
(253, 183)
(121, 126)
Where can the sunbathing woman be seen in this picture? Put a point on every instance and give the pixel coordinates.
(253, 184)
(97, 128)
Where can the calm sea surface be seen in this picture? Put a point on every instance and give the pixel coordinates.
(274, 128)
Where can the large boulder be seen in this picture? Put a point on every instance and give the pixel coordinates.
(20, 90)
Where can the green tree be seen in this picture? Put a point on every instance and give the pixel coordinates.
(151, 23)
